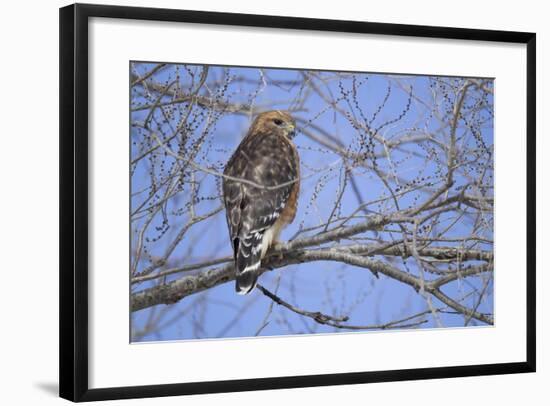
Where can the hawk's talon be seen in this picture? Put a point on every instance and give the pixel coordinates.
(279, 256)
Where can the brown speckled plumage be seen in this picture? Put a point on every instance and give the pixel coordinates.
(258, 210)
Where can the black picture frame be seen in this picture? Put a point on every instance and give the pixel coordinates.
(73, 378)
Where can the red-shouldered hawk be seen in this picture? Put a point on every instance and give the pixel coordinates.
(260, 188)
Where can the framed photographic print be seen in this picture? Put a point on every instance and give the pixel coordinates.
(256, 202)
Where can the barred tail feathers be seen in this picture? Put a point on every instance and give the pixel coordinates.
(248, 257)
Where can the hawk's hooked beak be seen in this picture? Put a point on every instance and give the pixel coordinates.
(291, 130)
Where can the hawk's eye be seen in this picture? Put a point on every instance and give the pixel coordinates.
(278, 121)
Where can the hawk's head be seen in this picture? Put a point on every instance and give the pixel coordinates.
(275, 121)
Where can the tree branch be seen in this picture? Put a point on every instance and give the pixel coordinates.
(319, 317)
(178, 289)
(337, 322)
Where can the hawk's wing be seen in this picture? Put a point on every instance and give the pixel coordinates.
(251, 211)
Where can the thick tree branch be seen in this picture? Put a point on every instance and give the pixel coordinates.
(188, 285)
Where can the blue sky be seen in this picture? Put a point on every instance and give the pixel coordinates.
(395, 105)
